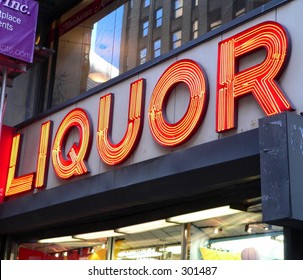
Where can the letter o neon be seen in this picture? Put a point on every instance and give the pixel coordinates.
(183, 71)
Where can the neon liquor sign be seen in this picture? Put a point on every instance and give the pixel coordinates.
(259, 80)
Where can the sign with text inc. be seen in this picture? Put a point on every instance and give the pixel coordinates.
(18, 19)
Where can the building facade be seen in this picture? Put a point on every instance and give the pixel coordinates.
(151, 129)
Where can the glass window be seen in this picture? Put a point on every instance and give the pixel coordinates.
(176, 41)
(160, 244)
(256, 247)
(178, 8)
(108, 44)
(146, 3)
(220, 233)
(239, 7)
(252, 246)
(87, 56)
(195, 29)
(145, 25)
(214, 14)
(143, 54)
(157, 48)
(92, 250)
(159, 14)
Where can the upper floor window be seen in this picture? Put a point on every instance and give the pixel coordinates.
(143, 56)
(214, 14)
(159, 15)
(178, 8)
(195, 29)
(176, 39)
(157, 48)
(239, 7)
(145, 26)
(146, 3)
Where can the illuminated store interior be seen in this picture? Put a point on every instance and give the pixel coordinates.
(220, 233)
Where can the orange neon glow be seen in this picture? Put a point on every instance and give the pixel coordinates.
(109, 152)
(73, 163)
(19, 184)
(43, 154)
(6, 140)
(183, 71)
(258, 80)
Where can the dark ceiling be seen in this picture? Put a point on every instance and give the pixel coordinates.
(54, 8)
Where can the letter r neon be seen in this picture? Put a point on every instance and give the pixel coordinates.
(258, 80)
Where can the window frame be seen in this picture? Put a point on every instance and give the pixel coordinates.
(145, 28)
(176, 42)
(157, 48)
(158, 18)
(178, 8)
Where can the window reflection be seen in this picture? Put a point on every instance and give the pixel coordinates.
(107, 45)
(87, 56)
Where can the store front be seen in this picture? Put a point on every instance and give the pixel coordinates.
(150, 149)
(201, 240)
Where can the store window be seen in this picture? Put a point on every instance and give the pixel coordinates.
(159, 244)
(220, 233)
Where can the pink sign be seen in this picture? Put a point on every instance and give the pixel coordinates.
(18, 20)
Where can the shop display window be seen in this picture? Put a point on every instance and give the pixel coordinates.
(220, 233)
(160, 244)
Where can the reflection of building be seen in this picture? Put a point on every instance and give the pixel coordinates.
(153, 203)
(105, 48)
(153, 28)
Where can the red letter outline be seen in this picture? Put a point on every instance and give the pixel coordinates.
(258, 80)
(184, 71)
(110, 153)
(75, 164)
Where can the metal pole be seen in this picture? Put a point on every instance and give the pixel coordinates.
(185, 242)
(110, 248)
(4, 78)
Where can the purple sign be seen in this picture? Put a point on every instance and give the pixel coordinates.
(18, 19)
